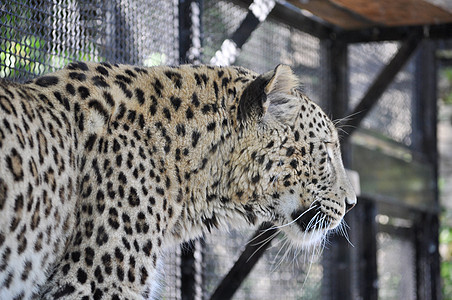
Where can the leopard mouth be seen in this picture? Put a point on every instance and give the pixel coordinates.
(311, 219)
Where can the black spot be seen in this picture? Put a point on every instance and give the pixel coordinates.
(144, 275)
(195, 138)
(121, 111)
(132, 114)
(106, 260)
(141, 121)
(78, 65)
(100, 81)
(14, 162)
(167, 113)
(290, 151)
(113, 218)
(140, 96)
(75, 256)
(175, 77)
(256, 178)
(180, 129)
(206, 108)
(89, 256)
(66, 269)
(98, 294)
(158, 87)
(98, 274)
(189, 113)
(124, 88)
(123, 78)
(47, 81)
(268, 165)
(133, 198)
(63, 100)
(215, 87)
(84, 92)
(303, 151)
(109, 98)
(211, 126)
(195, 100)
(70, 89)
(118, 254)
(102, 70)
(204, 78)
(311, 148)
(176, 102)
(81, 276)
(120, 273)
(116, 146)
(90, 142)
(198, 79)
(130, 73)
(64, 291)
(102, 236)
(77, 76)
(160, 191)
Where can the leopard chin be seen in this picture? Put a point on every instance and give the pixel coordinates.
(306, 240)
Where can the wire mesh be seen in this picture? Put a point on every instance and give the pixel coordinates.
(42, 36)
(392, 115)
(38, 36)
(280, 274)
(171, 279)
(272, 43)
(396, 273)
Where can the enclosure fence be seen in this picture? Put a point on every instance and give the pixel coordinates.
(390, 253)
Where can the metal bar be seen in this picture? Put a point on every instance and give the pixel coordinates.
(190, 52)
(337, 278)
(367, 273)
(255, 248)
(380, 84)
(396, 33)
(425, 122)
(427, 258)
(294, 17)
(257, 13)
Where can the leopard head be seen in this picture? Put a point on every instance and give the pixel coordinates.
(292, 147)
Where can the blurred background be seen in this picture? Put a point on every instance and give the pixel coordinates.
(383, 68)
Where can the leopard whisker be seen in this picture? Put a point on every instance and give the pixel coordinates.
(296, 219)
(262, 245)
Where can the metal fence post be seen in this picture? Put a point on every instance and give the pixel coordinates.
(425, 142)
(337, 280)
(190, 37)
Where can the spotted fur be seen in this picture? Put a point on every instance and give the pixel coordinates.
(103, 166)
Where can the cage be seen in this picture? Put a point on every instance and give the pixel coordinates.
(394, 256)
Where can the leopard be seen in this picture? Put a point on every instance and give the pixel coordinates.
(104, 166)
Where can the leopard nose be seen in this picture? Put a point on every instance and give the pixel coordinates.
(349, 205)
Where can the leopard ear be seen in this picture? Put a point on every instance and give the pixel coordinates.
(254, 101)
(283, 80)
